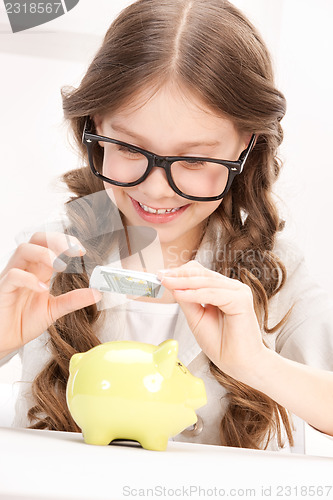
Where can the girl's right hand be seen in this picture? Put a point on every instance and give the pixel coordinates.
(27, 308)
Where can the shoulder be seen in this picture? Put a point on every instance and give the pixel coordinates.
(300, 279)
(308, 332)
(289, 253)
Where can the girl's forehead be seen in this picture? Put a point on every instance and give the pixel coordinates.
(172, 106)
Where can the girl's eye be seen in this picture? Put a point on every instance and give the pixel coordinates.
(193, 164)
(128, 151)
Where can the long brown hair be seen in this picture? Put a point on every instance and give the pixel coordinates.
(209, 48)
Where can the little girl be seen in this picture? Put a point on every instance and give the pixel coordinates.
(177, 121)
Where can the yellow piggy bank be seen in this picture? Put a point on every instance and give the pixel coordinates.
(135, 391)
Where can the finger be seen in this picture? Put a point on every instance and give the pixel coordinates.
(28, 253)
(193, 313)
(231, 302)
(72, 301)
(58, 242)
(207, 281)
(191, 268)
(206, 325)
(17, 278)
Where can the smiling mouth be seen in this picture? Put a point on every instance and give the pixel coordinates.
(157, 215)
(158, 210)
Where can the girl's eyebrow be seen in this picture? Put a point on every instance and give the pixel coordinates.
(119, 128)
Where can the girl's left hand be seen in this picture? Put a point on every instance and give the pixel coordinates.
(226, 327)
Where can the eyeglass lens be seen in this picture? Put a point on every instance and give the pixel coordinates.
(194, 178)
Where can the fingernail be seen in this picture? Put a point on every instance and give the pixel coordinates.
(76, 248)
(59, 265)
(97, 294)
(43, 285)
(162, 272)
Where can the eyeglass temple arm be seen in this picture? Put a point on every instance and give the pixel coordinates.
(87, 126)
(245, 154)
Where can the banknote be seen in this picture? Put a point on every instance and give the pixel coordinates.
(125, 281)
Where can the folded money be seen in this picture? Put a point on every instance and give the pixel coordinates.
(129, 282)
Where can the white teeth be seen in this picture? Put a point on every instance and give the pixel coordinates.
(158, 211)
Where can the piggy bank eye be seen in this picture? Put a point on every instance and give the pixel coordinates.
(182, 367)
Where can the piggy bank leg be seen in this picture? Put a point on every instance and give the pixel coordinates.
(154, 442)
(97, 436)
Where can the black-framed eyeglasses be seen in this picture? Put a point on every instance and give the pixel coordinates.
(193, 178)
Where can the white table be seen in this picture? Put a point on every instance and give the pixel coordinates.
(44, 465)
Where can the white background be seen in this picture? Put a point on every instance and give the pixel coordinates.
(34, 146)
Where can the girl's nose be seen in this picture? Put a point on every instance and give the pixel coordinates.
(156, 185)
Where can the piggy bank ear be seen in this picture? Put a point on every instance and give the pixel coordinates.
(74, 360)
(165, 357)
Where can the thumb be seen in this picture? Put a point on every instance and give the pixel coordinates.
(73, 300)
